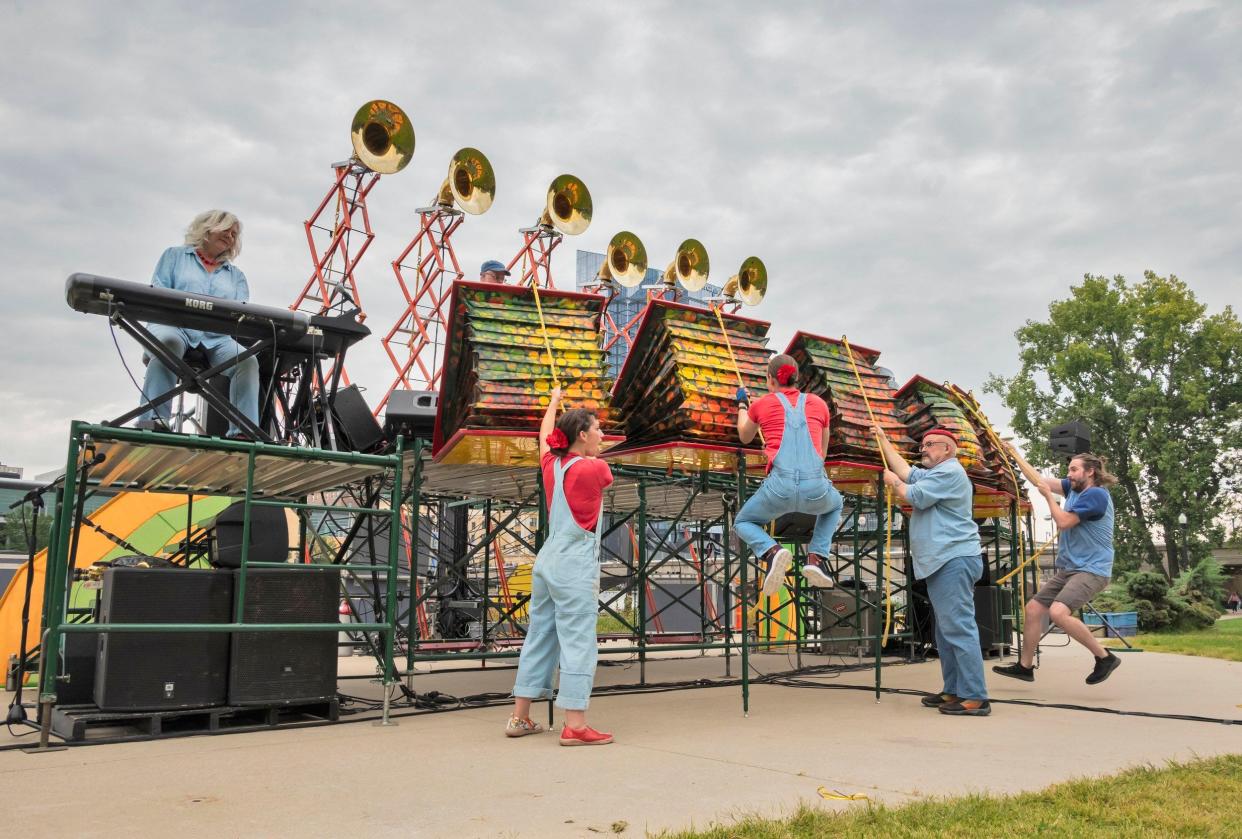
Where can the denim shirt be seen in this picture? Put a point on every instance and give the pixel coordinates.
(942, 527)
(180, 270)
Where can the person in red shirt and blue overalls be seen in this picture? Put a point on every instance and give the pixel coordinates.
(795, 435)
(564, 592)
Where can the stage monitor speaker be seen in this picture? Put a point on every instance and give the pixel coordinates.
(269, 535)
(354, 420)
(286, 667)
(1070, 438)
(141, 671)
(411, 413)
(846, 621)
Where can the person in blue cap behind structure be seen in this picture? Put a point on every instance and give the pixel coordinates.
(493, 271)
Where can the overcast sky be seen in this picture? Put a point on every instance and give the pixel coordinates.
(922, 177)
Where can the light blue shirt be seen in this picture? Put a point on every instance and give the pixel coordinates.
(941, 527)
(1088, 546)
(180, 270)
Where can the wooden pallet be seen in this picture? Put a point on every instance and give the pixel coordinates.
(77, 723)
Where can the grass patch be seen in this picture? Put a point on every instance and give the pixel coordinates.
(1199, 798)
(1221, 640)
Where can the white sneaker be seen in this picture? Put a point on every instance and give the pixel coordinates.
(815, 576)
(776, 571)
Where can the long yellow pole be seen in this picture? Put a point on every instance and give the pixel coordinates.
(888, 499)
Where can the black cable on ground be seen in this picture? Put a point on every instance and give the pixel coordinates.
(436, 702)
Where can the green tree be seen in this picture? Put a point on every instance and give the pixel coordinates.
(14, 534)
(1159, 381)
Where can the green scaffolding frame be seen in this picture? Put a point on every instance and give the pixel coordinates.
(148, 461)
(674, 513)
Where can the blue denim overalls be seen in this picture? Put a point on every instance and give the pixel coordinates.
(796, 484)
(564, 606)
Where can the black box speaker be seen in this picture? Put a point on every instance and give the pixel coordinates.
(269, 535)
(411, 413)
(794, 527)
(988, 612)
(81, 653)
(155, 671)
(286, 667)
(1070, 439)
(354, 420)
(993, 607)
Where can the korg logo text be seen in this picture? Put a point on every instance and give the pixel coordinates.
(198, 304)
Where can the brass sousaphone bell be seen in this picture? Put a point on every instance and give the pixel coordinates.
(568, 206)
(749, 285)
(625, 262)
(471, 182)
(689, 267)
(383, 137)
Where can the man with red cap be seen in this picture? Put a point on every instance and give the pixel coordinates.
(944, 543)
(795, 435)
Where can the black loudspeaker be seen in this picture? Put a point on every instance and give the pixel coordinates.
(81, 652)
(1070, 438)
(286, 667)
(410, 413)
(922, 616)
(988, 612)
(993, 604)
(794, 527)
(354, 420)
(141, 671)
(269, 535)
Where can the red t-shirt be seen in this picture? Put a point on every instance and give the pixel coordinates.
(769, 413)
(584, 486)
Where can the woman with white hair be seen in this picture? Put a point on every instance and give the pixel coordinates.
(203, 265)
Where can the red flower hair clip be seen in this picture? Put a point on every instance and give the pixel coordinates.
(785, 374)
(557, 439)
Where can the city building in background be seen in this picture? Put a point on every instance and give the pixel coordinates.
(629, 302)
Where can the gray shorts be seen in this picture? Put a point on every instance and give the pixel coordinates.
(1073, 588)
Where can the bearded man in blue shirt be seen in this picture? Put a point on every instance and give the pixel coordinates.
(944, 544)
(1084, 561)
(203, 265)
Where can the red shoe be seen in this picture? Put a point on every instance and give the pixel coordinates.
(585, 736)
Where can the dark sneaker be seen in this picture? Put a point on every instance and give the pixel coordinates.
(935, 700)
(967, 708)
(1104, 668)
(815, 571)
(778, 565)
(1016, 671)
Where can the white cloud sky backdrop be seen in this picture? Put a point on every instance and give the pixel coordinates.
(922, 177)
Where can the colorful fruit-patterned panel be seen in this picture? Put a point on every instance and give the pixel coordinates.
(497, 374)
(678, 383)
(928, 405)
(825, 368)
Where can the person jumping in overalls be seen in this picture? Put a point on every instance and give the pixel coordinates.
(564, 591)
(795, 437)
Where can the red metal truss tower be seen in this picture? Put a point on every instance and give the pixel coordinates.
(538, 242)
(341, 215)
(415, 343)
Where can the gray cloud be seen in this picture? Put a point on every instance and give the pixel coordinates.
(920, 177)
